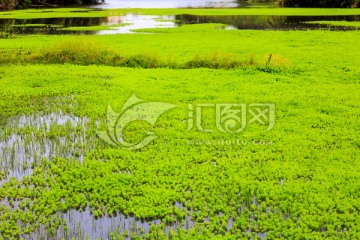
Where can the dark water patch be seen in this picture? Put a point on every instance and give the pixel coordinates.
(22, 25)
(270, 22)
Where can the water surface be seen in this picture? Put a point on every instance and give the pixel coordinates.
(130, 22)
(182, 4)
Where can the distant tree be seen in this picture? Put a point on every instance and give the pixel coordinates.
(8, 4)
(66, 2)
(12, 4)
(320, 3)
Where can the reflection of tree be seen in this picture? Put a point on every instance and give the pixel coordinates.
(248, 3)
(264, 22)
(65, 2)
(65, 22)
(243, 3)
(51, 24)
(241, 22)
(5, 24)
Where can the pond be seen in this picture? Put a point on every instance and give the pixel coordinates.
(130, 22)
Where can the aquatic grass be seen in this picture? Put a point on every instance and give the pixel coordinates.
(28, 139)
(337, 23)
(219, 60)
(85, 52)
(180, 45)
(187, 184)
(81, 52)
(96, 28)
(268, 189)
(6, 35)
(36, 25)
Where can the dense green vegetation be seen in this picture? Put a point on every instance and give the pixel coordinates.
(320, 3)
(299, 180)
(12, 4)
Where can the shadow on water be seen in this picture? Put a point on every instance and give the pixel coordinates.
(129, 22)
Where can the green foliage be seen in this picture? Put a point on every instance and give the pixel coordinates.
(8, 4)
(321, 3)
(12, 4)
(5, 35)
(305, 184)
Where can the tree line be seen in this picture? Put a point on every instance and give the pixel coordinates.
(13, 4)
(320, 3)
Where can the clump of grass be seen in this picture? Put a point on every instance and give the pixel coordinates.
(6, 35)
(82, 52)
(275, 60)
(85, 52)
(219, 61)
(141, 61)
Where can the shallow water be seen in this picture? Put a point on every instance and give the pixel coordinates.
(58, 26)
(27, 140)
(83, 225)
(138, 22)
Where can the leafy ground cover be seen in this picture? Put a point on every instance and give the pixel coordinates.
(298, 180)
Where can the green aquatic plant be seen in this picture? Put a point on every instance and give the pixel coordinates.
(304, 185)
(86, 52)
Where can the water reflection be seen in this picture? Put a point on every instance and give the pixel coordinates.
(113, 24)
(269, 22)
(175, 4)
(129, 22)
(137, 22)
